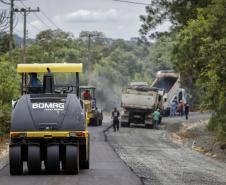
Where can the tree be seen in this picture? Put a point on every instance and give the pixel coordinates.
(4, 22)
(4, 43)
(178, 12)
(8, 91)
(200, 55)
(159, 57)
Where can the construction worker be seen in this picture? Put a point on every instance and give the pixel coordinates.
(175, 105)
(186, 110)
(86, 95)
(34, 81)
(156, 118)
(173, 108)
(115, 117)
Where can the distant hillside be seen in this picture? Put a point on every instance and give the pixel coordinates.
(17, 39)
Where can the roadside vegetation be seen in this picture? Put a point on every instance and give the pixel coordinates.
(198, 31)
(194, 46)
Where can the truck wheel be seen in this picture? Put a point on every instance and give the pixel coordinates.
(100, 122)
(34, 159)
(15, 160)
(93, 122)
(148, 126)
(84, 164)
(96, 122)
(53, 159)
(70, 164)
(125, 124)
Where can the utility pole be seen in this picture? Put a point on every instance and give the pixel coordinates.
(89, 44)
(25, 13)
(89, 37)
(11, 31)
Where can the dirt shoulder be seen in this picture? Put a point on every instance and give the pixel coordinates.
(4, 151)
(193, 133)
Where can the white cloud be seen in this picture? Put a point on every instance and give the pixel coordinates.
(89, 16)
(38, 24)
(121, 27)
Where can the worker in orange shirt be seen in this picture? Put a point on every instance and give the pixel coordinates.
(86, 95)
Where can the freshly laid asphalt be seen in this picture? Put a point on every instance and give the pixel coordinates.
(106, 168)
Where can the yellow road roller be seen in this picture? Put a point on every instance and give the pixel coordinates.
(48, 129)
(94, 115)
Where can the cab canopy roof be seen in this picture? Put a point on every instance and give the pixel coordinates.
(54, 67)
(87, 87)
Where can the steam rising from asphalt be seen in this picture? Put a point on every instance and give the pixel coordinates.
(108, 94)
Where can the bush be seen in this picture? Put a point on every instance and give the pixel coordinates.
(9, 90)
(217, 124)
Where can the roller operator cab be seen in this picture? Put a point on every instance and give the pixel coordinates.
(48, 121)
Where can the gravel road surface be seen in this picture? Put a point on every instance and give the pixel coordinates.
(106, 169)
(158, 161)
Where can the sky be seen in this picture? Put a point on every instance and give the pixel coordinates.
(114, 19)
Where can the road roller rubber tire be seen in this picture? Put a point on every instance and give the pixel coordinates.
(85, 164)
(70, 164)
(15, 160)
(34, 159)
(53, 159)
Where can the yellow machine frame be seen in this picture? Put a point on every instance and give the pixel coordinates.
(88, 105)
(54, 67)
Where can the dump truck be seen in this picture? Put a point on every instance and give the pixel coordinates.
(139, 101)
(94, 115)
(48, 123)
(169, 82)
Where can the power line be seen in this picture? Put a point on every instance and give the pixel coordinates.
(4, 23)
(35, 27)
(43, 13)
(5, 2)
(23, 4)
(25, 13)
(16, 6)
(42, 21)
(36, 17)
(132, 2)
(16, 22)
